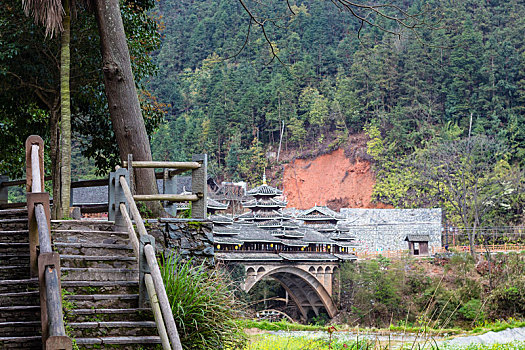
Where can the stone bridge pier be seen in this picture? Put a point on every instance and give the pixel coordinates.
(309, 285)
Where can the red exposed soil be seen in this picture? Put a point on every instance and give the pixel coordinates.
(330, 179)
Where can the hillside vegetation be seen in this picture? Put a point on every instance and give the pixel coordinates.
(458, 82)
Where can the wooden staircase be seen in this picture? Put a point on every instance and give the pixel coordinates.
(100, 280)
(19, 297)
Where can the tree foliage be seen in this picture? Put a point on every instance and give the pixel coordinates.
(331, 83)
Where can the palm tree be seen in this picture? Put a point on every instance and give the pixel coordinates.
(56, 17)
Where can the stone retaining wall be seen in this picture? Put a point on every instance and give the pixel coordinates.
(191, 239)
(379, 230)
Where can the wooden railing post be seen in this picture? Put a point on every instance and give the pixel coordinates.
(116, 196)
(170, 187)
(144, 268)
(4, 190)
(30, 141)
(199, 186)
(32, 200)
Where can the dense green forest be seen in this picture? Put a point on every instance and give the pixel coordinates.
(461, 76)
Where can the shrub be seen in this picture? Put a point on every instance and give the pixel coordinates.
(509, 299)
(203, 305)
(472, 310)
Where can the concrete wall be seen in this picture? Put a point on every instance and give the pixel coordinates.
(379, 230)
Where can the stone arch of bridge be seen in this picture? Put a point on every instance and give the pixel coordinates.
(304, 288)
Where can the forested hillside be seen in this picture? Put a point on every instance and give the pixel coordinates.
(412, 94)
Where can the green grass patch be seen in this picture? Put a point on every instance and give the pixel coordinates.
(279, 326)
(276, 342)
(498, 326)
(424, 330)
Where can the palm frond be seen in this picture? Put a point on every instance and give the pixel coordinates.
(49, 13)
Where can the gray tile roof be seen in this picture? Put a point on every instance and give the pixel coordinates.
(220, 219)
(226, 230)
(264, 203)
(251, 233)
(264, 190)
(418, 238)
(293, 242)
(226, 240)
(213, 204)
(319, 213)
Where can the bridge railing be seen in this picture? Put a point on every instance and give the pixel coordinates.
(44, 263)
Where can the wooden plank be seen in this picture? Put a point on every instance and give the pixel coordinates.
(166, 197)
(172, 165)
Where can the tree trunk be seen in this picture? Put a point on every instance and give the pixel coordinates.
(54, 152)
(472, 242)
(123, 102)
(65, 114)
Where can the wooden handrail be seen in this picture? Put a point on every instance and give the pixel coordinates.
(157, 313)
(166, 197)
(163, 319)
(163, 165)
(80, 183)
(53, 330)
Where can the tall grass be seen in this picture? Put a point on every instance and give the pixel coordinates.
(276, 342)
(203, 305)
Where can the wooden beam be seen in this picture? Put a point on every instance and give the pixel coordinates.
(173, 165)
(166, 197)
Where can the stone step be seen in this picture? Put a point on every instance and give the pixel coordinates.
(128, 342)
(20, 328)
(97, 261)
(26, 343)
(21, 285)
(14, 259)
(99, 274)
(19, 313)
(13, 213)
(86, 315)
(100, 249)
(112, 329)
(86, 236)
(13, 224)
(17, 236)
(83, 225)
(100, 287)
(14, 248)
(20, 298)
(104, 301)
(14, 272)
